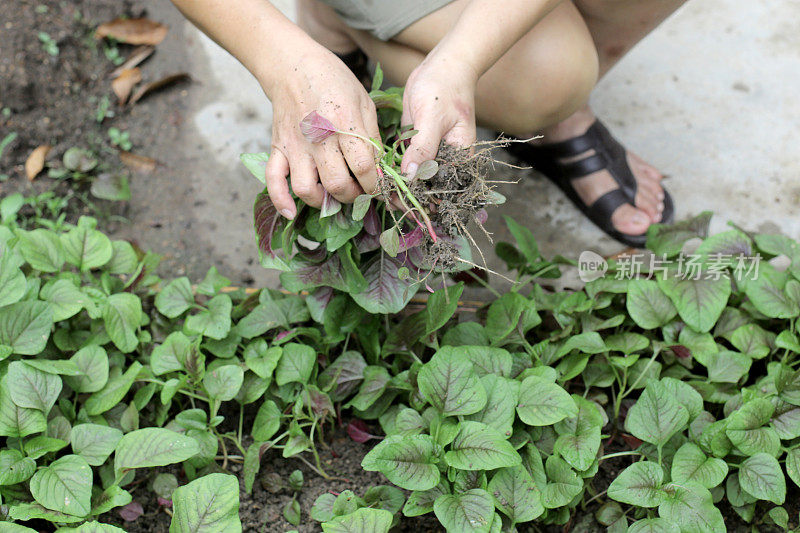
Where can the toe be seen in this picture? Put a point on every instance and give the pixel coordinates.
(630, 220)
(650, 204)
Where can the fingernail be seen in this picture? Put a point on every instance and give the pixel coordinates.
(411, 171)
(288, 215)
(660, 195)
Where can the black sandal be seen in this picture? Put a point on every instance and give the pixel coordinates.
(609, 155)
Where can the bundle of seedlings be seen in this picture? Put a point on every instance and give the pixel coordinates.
(388, 244)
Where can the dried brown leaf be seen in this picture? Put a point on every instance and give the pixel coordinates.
(133, 31)
(139, 54)
(35, 162)
(138, 163)
(159, 84)
(123, 84)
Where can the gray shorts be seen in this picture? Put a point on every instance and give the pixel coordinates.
(384, 18)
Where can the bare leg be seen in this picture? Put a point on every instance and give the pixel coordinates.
(525, 92)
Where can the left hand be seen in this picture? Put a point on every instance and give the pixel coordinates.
(440, 102)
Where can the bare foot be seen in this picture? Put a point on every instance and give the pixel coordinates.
(627, 219)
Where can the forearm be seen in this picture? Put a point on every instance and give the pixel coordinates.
(254, 32)
(487, 29)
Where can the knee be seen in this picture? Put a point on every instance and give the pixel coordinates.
(558, 82)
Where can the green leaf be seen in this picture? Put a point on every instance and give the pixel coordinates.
(40, 446)
(85, 247)
(793, 465)
(748, 431)
(113, 392)
(579, 436)
(690, 507)
(768, 296)
(441, 306)
(41, 249)
(420, 502)
(18, 421)
(262, 359)
(267, 421)
(640, 484)
(376, 379)
(65, 299)
(215, 320)
(256, 164)
(32, 388)
(699, 302)
(170, 355)
(385, 497)
(543, 403)
(647, 305)
(12, 281)
(752, 340)
(525, 242)
(691, 464)
(93, 442)
(122, 315)
(656, 416)
(175, 298)
(224, 382)
(296, 364)
(208, 504)
(504, 315)
(761, 477)
(408, 462)
(502, 395)
(361, 206)
(471, 511)
(25, 326)
(150, 447)
(92, 361)
(124, 259)
(450, 384)
(32, 511)
(563, 484)
(668, 239)
(516, 495)
(685, 394)
(480, 447)
(64, 486)
(363, 520)
(726, 366)
(15, 467)
(653, 525)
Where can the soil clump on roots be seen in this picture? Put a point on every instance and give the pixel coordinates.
(455, 196)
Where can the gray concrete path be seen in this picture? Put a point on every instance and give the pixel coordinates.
(710, 98)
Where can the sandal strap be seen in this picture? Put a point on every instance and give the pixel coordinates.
(602, 208)
(583, 167)
(577, 145)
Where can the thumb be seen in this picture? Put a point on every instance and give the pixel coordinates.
(424, 146)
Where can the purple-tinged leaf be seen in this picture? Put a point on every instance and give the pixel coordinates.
(267, 223)
(282, 335)
(390, 241)
(317, 301)
(330, 206)
(426, 170)
(386, 293)
(333, 272)
(367, 243)
(481, 216)
(371, 221)
(131, 512)
(316, 128)
(319, 402)
(411, 240)
(681, 352)
(359, 432)
(164, 502)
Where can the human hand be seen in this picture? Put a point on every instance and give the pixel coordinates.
(320, 82)
(439, 100)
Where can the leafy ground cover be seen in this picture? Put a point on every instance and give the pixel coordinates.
(689, 386)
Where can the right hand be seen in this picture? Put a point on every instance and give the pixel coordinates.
(320, 82)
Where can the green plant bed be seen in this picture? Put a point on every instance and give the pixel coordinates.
(689, 386)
